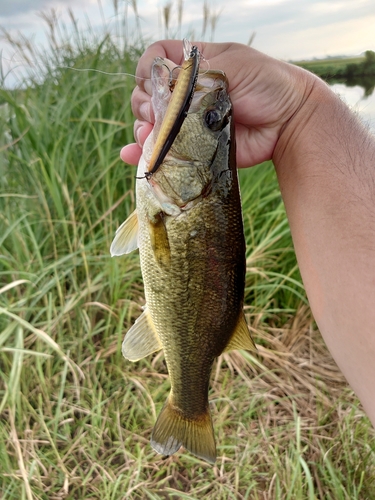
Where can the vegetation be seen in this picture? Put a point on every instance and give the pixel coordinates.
(364, 68)
(354, 70)
(75, 417)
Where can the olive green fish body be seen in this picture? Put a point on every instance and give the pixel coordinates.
(195, 300)
(188, 227)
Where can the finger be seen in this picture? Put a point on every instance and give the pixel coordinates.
(253, 146)
(142, 130)
(173, 50)
(141, 105)
(227, 57)
(170, 49)
(131, 154)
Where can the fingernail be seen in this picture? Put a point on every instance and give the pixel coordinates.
(148, 87)
(145, 111)
(123, 150)
(137, 135)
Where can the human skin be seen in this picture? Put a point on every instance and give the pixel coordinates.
(325, 164)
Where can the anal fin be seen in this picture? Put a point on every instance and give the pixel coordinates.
(142, 339)
(241, 338)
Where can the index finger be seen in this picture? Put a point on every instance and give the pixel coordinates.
(170, 49)
(173, 50)
(228, 57)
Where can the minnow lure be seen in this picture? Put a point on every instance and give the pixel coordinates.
(177, 108)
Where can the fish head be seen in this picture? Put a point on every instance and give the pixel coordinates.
(200, 153)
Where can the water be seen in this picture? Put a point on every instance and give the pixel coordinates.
(360, 96)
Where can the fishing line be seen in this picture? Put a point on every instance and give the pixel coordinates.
(100, 71)
(166, 78)
(208, 65)
(131, 74)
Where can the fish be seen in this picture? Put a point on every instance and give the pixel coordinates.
(189, 230)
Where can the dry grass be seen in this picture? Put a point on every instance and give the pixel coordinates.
(286, 424)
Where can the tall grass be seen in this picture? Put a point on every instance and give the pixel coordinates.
(75, 417)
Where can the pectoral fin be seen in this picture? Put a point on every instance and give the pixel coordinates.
(126, 238)
(241, 338)
(159, 240)
(142, 339)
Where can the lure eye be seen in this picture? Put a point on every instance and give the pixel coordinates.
(213, 119)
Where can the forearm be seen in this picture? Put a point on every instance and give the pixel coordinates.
(325, 162)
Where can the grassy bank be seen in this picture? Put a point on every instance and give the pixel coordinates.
(343, 68)
(330, 66)
(75, 417)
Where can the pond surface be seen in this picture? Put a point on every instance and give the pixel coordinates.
(360, 96)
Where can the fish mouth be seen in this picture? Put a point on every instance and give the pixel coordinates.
(178, 107)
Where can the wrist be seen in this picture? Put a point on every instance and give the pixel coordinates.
(319, 136)
(313, 100)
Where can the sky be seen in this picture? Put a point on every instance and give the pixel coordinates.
(286, 29)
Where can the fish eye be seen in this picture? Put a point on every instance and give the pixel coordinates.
(213, 119)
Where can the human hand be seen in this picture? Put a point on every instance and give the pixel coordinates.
(266, 94)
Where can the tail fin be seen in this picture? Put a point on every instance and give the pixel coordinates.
(172, 430)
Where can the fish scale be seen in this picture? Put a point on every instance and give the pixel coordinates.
(188, 227)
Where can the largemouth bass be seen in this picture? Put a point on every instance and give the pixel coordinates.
(188, 227)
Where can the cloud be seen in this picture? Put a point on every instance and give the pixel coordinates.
(11, 8)
(307, 28)
(305, 13)
(16, 7)
(284, 28)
